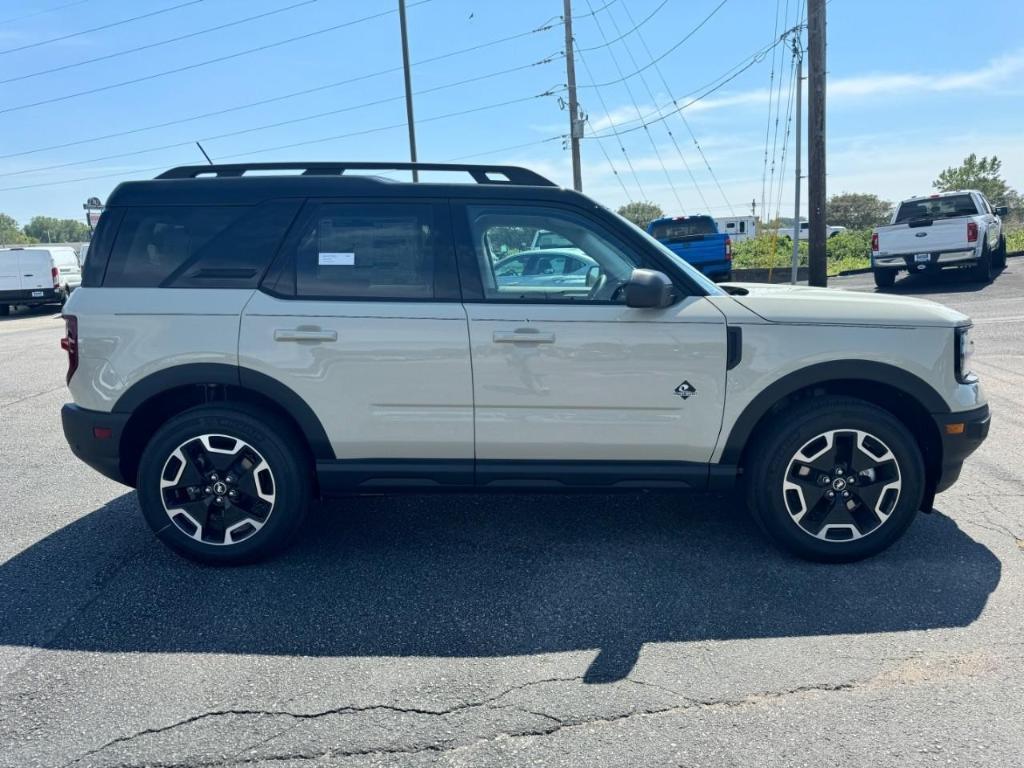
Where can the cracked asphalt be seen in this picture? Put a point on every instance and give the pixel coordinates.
(615, 630)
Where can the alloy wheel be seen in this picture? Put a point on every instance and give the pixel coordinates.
(842, 485)
(217, 489)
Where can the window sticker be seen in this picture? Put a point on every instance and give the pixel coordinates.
(337, 259)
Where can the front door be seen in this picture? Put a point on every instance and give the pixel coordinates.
(564, 371)
(362, 320)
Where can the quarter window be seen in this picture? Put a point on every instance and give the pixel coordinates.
(368, 251)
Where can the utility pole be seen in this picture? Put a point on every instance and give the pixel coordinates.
(408, 88)
(818, 272)
(798, 52)
(753, 207)
(575, 123)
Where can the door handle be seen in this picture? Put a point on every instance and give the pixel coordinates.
(524, 336)
(304, 334)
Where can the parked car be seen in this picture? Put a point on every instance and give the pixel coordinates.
(31, 275)
(696, 240)
(545, 268)
(805, 232)
(83, 254)
(243, 343)
(738, 228)
(950, 229)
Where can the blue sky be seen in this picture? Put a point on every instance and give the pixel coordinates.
(914, 87)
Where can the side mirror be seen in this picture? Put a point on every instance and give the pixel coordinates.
(648, 288)
(1002, 210)
(593, 275)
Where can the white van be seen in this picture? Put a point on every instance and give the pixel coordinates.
(738, 228)
(31, 275)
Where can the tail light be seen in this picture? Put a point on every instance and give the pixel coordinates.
(55, 274)
(972, 231)
(874, 242)
(728, 249)
(70, 344)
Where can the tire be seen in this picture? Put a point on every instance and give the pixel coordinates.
(230, 449)
(852, 434)
(885, 278)
(984, 270)
(1001, 254)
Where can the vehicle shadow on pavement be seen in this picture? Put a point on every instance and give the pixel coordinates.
(946, 281)
(473, 576)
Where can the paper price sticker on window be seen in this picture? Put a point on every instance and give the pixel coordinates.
(337, 259)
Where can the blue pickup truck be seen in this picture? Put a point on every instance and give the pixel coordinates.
(696, 240)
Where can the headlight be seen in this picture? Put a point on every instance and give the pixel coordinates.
(964, 351)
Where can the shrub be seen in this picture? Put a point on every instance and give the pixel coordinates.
(847, 250)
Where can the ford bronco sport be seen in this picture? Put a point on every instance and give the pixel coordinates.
(245, 341)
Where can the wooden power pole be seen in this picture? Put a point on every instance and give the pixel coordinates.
(408, 88)
(818, 271)
(575, 123)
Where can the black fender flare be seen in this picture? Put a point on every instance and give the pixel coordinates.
(867, 371)
(235, 376)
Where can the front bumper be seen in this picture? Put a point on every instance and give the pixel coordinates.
(936, 260)
(961, 434)
(95, 438)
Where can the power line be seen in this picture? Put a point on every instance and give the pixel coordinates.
(504, 149)
(615, 171)
(686, 123)
(101, 27)
(278, 124)
(778, 112)
(629, 32)
(33, 14)
(216, 60)
(274, 99)
(768, 124)
(549, 92)
(636, 106)
(157, 44)
(650, 64)
(615, 130)
(659, 113)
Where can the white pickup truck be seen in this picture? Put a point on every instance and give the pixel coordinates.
(950, 229)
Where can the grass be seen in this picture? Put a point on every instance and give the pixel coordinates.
(847, 250)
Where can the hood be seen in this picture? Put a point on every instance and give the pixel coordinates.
(780, 303)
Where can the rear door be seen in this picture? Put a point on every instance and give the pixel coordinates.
(574, 381)
(35, 268)
(361, 318)
(10, 271)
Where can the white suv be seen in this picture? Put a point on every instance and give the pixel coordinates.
(245, 342)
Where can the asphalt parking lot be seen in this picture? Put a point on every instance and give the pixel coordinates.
(501, 630)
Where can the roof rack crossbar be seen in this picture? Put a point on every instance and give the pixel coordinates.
(481, 174)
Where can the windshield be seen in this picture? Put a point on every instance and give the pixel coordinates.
(707, 285)
(936, 208)
(677, 230)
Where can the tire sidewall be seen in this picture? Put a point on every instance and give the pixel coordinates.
(269, 438)
(791, 433)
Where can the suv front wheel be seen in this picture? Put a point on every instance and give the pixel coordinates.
(835, 479)
(224, 484)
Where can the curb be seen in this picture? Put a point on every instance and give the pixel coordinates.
(861, 271)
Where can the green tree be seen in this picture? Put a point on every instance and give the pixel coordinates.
(856, 210)
(47, 229)
(10, 233)
(641, 213)
(982, 175)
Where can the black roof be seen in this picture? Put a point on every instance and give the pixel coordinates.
(247, 184)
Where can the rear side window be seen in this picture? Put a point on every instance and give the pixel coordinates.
(684, 229)
(368, 251)
(197, 246)
(936, 208)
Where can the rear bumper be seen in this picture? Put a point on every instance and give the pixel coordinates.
(961, 434)
(715, 268)
(25, 298)
(936, 260)
(87, 435)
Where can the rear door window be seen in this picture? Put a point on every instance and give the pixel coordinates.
(375, 251)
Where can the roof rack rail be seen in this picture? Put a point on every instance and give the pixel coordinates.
(482, 174)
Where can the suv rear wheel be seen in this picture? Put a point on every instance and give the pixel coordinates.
(885, 278)
(224, 484)
(835, 480)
